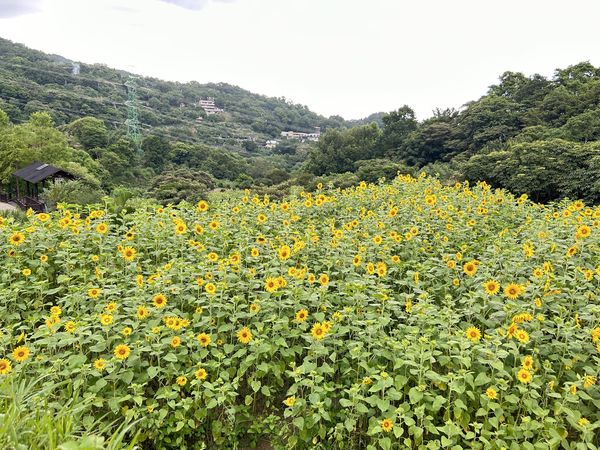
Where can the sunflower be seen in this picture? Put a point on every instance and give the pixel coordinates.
(318, 331)
(127, 331)
(470, 268)
(16, 239)
(290, 401)
(181, 380)
(93, 292)
(387, 425)
(202, 206)
(100, 364)
(284, 252)
(524, 376)
(513, 291)
(583, 422)
(491, 287)
(102, 228)
(244, 335)
(210, 288)
(175, 341)
(44, 258)
(55, 311)
(106, 319)
(271, 285)
(473, 334)
(180, 228)
(5, 366)
(571, 251)
(254, 308)
(527, 362)
(583, 231)
(129, 253)
(301, 315)
(201, 373)
(204, 339)
(588, 381)
(142, 312)
(491, 393)
(70, 326)
(21, 353)
(324, 279)
(522, 336)
(159, 300)
(122, 351)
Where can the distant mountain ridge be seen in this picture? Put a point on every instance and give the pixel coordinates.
(31, 80)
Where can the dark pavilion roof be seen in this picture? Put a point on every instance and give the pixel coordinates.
(37, 171)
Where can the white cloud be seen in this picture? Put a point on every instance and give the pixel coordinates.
(13, 8)
(194, 4)
(346, 57)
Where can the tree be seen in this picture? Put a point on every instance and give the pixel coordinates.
(38, 140)
(90, 132)
(397, 126)
(156, 151)
(546, 170)
(176, 185)
(337, 151)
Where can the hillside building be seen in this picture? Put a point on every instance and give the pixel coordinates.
(302, 136)
(271, 144)
(209, 106)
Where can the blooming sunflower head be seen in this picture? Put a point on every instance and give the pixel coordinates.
(122, 351)
(387, 425)
(21, 353)
(244, 335)
(473, 334)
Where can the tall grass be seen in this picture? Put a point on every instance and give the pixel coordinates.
(30, 419)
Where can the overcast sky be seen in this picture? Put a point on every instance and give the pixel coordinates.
(346, 57)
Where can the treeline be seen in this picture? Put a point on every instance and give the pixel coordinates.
(107, 162)
(528, 134)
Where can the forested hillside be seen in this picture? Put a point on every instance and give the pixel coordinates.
(33, 81)
(529, 134)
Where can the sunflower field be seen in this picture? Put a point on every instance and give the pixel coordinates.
(385, 316)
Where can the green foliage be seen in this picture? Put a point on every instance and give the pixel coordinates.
(397, 126)
(90, 132)
(38, 140)
(337, 151)
(32, 418)
(371, 170)
(77, 192)
(544, 169)
(177, 185)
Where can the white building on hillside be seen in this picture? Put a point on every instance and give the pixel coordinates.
(209, 106)
(302, 136)
(271, 144)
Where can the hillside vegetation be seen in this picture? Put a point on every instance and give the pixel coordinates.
(529, 134)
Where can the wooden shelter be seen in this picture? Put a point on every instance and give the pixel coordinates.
(35, 176)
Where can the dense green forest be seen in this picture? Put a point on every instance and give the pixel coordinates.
(529, 134)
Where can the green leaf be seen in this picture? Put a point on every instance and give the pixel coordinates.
(415, 395)
(385, 443)
(298, 422)
(152, 372)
